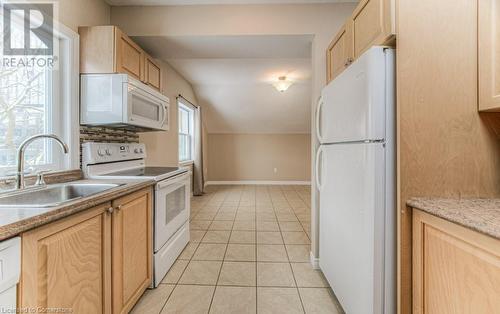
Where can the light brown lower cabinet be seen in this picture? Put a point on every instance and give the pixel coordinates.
(96, 261)
(132, 249)
(455, 269)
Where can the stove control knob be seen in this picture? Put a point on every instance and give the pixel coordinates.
(137, 151)
(141, 150)
(108, 152)
(101, 152)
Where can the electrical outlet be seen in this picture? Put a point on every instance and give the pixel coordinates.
(275, 170)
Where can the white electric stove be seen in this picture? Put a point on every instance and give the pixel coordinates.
(171, 196)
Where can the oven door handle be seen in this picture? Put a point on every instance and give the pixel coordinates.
(172, 182)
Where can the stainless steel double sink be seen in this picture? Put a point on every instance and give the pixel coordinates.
(52, 195)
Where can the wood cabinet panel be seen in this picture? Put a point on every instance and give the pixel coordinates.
(340, 53)
(153, 73)
(67, 264)
(97, 49)
(367, 25)
(372, 23)
(106, 49)
(129, 56)
(455, 270)
(132, 249)
(489, 55)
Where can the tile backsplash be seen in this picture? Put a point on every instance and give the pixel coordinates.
(106, 135)
(111, 135)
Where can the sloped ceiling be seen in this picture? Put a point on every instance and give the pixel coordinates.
(232, 78)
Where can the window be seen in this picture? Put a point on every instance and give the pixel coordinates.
(36, 100)
(186, 133)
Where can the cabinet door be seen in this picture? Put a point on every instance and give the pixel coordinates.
(132, 249)
(129, 56)
(153, 73)
(339, 53)
(455, 270)
(67, 264)
(489, 55)
(373, 24)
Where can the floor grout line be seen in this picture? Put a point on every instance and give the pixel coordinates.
(222, 264)
(293, 273)
(256, 199)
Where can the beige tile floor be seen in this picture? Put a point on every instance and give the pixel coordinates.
(249, 253)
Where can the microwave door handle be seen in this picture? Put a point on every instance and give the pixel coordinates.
(164, 108)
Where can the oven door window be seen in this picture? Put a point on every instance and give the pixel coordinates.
(171, 209)
(176, 203)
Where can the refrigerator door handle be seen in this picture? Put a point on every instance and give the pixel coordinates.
(318, 119)
(319, 154)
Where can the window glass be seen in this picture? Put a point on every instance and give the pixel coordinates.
(186, 132)
(30, 104)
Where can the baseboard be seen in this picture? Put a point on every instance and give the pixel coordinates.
(314, 260)
(249, 182)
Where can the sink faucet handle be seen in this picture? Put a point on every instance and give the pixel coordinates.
(40, 177)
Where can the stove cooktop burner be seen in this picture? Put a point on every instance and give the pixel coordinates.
(143, 172)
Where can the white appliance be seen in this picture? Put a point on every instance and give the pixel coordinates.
(171, 195)
(355, 173)
(118, 100)
(10, 266)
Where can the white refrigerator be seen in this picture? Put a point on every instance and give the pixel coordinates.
(355, 176)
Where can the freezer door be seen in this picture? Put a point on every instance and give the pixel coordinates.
(352, 211)
(352, 107)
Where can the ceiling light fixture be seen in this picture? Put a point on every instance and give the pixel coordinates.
(282, 84)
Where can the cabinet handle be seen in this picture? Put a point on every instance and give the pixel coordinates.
(118, 207)
(110, 210)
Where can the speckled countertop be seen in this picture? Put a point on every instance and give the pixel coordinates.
(14, 221)
(478, 214)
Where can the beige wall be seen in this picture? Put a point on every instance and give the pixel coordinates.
(243, 157)
(163, 146)
(74, 13)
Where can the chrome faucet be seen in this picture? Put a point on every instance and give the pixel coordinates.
(20, 155)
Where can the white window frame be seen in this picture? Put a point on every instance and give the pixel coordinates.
(67, 101)
(182, 106)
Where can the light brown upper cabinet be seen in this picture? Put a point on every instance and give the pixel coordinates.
(455, 269)
(129, 56)
(340, 54)
(489, 55)
(106, 49)
(153, 73)
(132, 249)
(372, 23)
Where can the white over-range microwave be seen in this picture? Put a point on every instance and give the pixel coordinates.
(118, 100)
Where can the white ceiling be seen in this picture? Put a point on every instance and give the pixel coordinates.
(203, 2)
(232, 78)
(250, 46)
